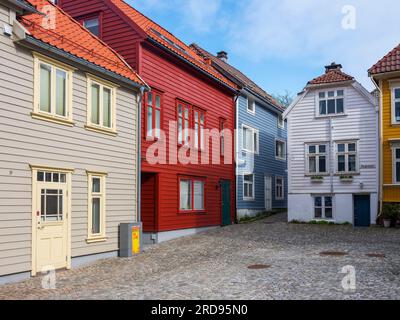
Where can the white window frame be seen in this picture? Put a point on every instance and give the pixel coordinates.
(317, 155)
(246, 198)
(346, 153)
(325, 91)
(323, 207)
(282, 186)
(394, 100)
(113, 89)
(52, 116)
(97, 237)
(394, 162)
(256, 145)
(251, 102)
(285, 149)
(281, 122)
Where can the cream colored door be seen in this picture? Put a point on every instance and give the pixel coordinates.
(268, 193)
(51, 225)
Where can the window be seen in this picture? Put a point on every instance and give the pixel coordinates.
(331, 102)
(396, 106)
(183, 123)
(251, 105)
(92, 24)
(248, 187)
(191, 195)
(53, 91)
(281, 122)
(316, 158)
(346, 157)
(199, 125)
(101, 106)
(153, 108)
(396, 165)
(222, 136)
(323, 207)
(250, 140)
(280, 149)
(279, 188)
(96, 206)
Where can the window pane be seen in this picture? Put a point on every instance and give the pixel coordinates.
(107, 108)
(312, 149)
(185, 195)
(45, 87)
(48, 176)
(340, 105)
(255, 141)
(196, 135)
(340, 93)
(248, 178)
(352, 163)
(158, 101)
(397, 153)
(341, 147)
(352, 147)
(95, 104)
(328, 213)
(331, 107)
(150, 121)
(180, 137)
(52, 203)
(312, 165)
(92, 25)
(63, 177)
(328, 201)
(397, 111)
(322, 107)
(250, 195)
(158, 123)
(331, 94)
(322, 148)
(341, 164)
(199, 195)
(397, 93)
(318, 213)
(318, 202)
(322, 95)
(397, 171)
(96, 185)
(322, 164)
(61, 89)
(56, 177)
(40, 176)
(96, 215)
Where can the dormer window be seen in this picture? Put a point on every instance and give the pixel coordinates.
(92, 24)
(331, 102)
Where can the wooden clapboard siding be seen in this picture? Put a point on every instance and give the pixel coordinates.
(360, 123)
(177, 80)
(26, 141)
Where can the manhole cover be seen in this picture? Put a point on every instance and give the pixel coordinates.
(269, 222)
(259, 267)
(375, 255)
(333, 253)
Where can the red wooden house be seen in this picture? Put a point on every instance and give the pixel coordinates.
(177, 199)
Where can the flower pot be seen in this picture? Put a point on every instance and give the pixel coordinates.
(387, 223)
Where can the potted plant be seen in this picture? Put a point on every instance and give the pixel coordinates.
(346, 178)
(317, 179)
(390, 214)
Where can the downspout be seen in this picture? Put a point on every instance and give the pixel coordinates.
(380, 147)
(331, 158)
(139, 156)
(236, 150)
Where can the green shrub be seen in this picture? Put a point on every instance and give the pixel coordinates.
(391, 211)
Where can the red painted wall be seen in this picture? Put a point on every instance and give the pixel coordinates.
(149, 205)
(177, 80)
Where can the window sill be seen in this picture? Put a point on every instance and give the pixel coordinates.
(192, 212)
(96, 240)
(53, 119)
(331, 116)
(253, 113)
(280, 159)
(249, 199)
(245, 152)
(109, 132)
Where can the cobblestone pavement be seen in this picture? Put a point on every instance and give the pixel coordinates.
(214, 266)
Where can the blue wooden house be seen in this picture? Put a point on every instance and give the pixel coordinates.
(261, 138)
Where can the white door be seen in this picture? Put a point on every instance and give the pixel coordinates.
(51, 221)
(268, 193)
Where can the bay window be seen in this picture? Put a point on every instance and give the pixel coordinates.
(191, 195)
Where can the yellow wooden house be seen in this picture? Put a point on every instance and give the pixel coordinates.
(386, 75)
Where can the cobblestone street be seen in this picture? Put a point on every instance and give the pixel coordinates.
(214, 266)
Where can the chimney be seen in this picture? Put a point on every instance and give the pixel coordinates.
(223, 55)
(333, 66)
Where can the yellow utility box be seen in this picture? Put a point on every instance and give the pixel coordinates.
(130, 239)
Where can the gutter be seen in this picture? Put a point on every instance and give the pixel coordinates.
(380, 147)
(25, 6)
(192, 64)
(37, 43)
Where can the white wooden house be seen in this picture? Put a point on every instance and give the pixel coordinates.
(333, 151)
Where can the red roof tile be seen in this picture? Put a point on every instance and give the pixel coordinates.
(389, 63)
(238, 75)
(333, 74)
(70, 36)
(168, 40)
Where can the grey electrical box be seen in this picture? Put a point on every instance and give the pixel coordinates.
(130, 236)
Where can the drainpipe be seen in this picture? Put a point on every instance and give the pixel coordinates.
(380, 147)
(139, 155)
(236, 154)
(331, 154)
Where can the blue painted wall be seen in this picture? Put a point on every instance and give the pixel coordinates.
(264, 163)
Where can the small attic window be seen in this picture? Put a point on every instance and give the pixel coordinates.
(92, 23)
(251, 105)
(331, 102)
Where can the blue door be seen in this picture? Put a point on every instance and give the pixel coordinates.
(362, 211)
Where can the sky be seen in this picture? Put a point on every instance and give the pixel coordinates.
(282, 44)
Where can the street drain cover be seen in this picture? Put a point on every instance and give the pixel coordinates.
(259, 267)
(375, 255)
(333, 253)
